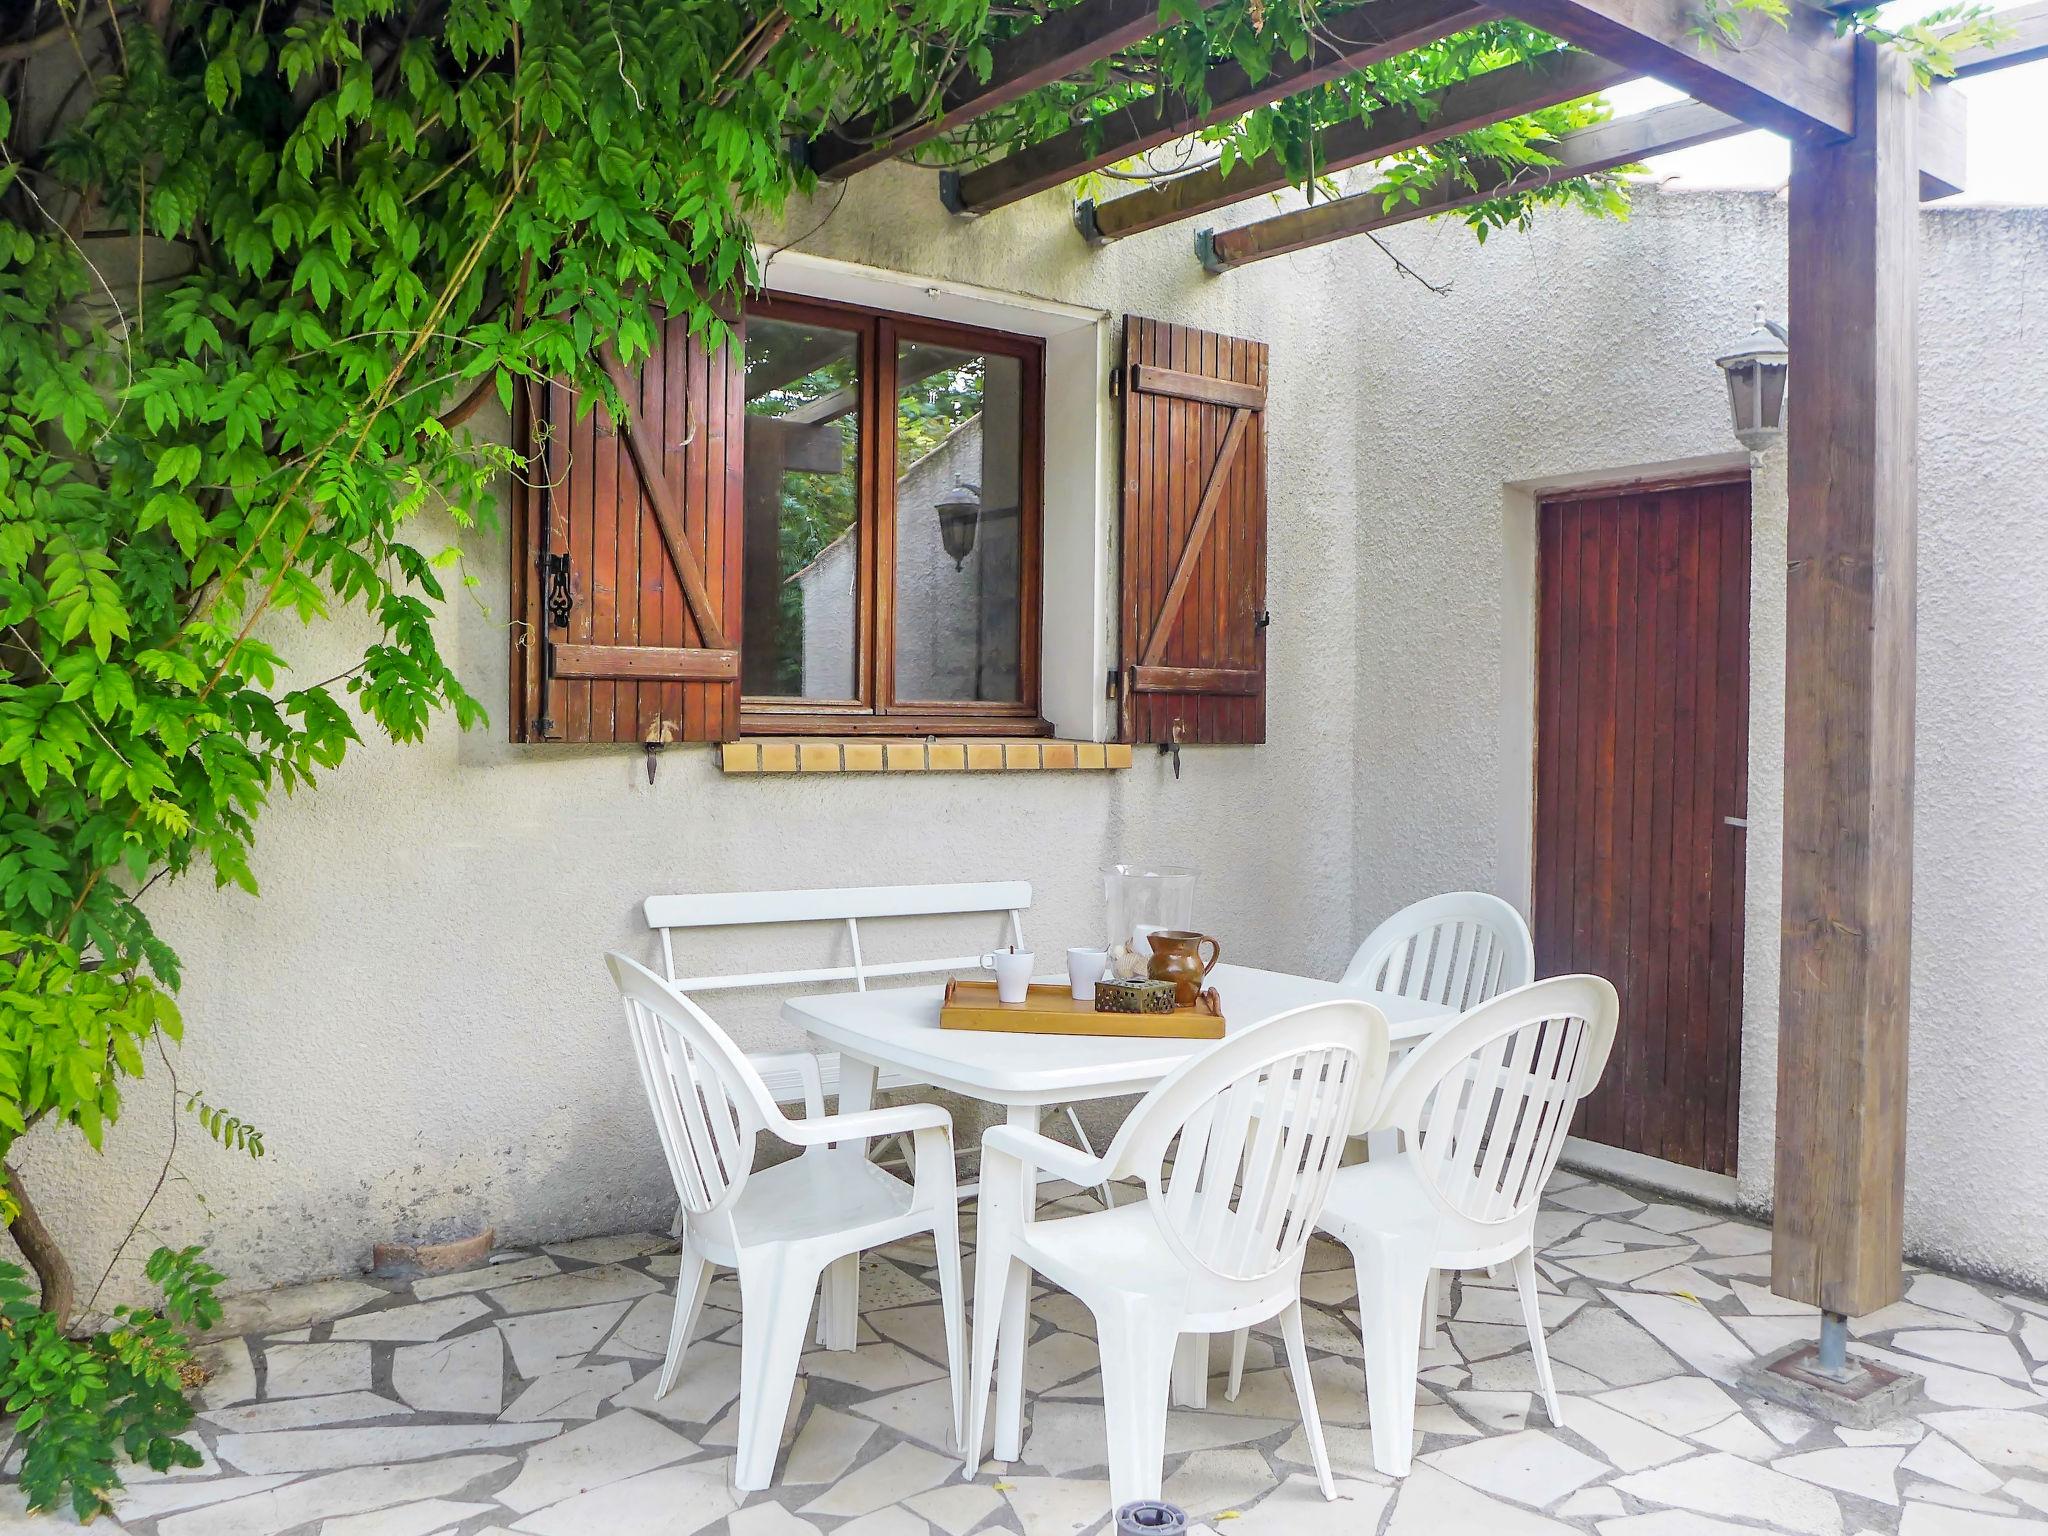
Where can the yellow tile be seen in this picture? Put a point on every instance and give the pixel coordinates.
(1058, 754)
(947, 757)
(818, 756)
(905, 756)
(1119, 754)
(984, 754)
(740, 757)
(1089, 754)
(1021, 754)
(863, 757)
(778, 757)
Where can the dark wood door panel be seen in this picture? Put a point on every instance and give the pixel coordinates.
(1641, 791)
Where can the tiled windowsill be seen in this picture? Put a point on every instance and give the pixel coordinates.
(933, 755)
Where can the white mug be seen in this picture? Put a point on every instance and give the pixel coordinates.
(1013, 973)
(1085, 967)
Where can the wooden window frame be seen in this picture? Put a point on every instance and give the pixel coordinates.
(876, 711)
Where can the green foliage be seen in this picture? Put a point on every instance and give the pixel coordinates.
(1931, 43)
(79, 1405)
(231, 1131)
(381, 209)
(1258, 39)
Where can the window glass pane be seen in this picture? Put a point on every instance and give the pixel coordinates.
(959, 480)
(803, 510)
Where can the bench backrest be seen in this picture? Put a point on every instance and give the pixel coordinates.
(848, 905)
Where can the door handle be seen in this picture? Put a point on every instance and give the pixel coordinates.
(1737, 821)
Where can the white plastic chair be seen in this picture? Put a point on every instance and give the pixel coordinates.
(1235, 1149)
(783, 1226)
(1482, 1108)
(1457, 949)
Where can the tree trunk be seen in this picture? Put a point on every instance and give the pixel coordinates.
(40, 1248)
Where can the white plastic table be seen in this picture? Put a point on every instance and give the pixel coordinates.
(898, 1029)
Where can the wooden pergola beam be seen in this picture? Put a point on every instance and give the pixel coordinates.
(2029, 41)
(1394, 26)
(1845, 955)
(1797, 79)
(1065, 43)
(1603, 147)
(1513, 90)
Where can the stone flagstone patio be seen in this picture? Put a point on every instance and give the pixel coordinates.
(517, 1398)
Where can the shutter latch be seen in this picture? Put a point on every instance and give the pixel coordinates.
(1262, 619)
(559, 600)
(1172, 744)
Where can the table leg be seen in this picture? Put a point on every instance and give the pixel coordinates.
(1014, 1320)
(839, 1286)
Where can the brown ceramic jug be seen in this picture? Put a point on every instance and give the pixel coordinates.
(1177, 957)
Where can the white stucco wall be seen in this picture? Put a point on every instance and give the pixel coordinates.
(415, 1011)
(1584, 348)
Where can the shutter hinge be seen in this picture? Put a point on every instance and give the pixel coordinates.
(1110, 687)
(1116, 383)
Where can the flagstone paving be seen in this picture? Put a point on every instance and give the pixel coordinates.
(517, 1400)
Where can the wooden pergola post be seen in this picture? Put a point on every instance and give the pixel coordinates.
(1848, 870)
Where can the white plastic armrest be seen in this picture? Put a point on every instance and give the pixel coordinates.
(898, 1120)
(1045, 1154)
(805, 1065)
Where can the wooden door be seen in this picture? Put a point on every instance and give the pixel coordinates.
(1642, 745)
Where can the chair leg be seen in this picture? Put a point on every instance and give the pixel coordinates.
(693, 1279)
(1137, 1370)
(997, 1279)
(1237, 1344)
(1532, 1315)
(775, 1306)
(946, 1240)
(1305, 1394)
(1391, 1287)
(839, 1304)
(1013, 1332)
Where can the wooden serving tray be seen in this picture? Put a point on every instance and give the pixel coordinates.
(1050, 1008)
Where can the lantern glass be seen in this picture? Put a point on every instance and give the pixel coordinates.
(1756, 373)
(959, 516)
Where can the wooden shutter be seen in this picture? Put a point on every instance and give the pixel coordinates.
(1194, 535)
(643, 525)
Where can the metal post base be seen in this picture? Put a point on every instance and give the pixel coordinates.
(1825, 1380)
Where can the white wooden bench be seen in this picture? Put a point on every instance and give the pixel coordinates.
(848, 907)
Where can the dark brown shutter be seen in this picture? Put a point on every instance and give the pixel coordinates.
(1194, 535)
(640, 528)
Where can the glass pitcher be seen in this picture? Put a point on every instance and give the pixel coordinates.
(1141, 900)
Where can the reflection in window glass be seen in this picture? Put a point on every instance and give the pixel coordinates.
(959, 471)
(802, 552)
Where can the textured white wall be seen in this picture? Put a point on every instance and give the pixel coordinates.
(1586, 346)
(415, 1012)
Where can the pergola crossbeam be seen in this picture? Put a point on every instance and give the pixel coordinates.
(2028, 25)
(1063, 44)
(1396, 27)
(1511, 91)
(1797, 79)
(1582, 152)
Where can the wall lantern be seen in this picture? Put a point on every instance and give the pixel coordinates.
(959, 513)
(1756, 383)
